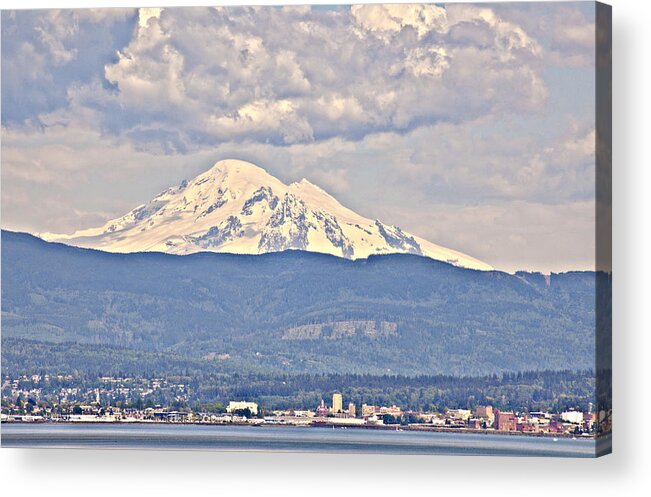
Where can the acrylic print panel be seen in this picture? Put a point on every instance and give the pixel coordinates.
(368, 228)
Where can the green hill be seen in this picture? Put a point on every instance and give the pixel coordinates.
(297, 312)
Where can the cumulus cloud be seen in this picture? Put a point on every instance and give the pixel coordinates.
(483, 162)
(290, 76)
(388, 19)
(64, 178)
(45, 51)
(568, 30)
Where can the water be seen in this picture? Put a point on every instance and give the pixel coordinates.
(287, 439)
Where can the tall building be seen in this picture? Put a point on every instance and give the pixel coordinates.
(351, 410)
(505, 421)
(484, 412)
(337, 403)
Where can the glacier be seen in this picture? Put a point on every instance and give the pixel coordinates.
(237, 207)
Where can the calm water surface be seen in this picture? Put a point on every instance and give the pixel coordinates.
(289, 439)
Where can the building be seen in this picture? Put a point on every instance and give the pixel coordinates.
(461, 414)
(302, 413)
(541, 416)
(393, 410)
(170, 416)
(525, 426)
(475, 424)
(437, 421)
(367, 410)
(242, 405)
(575, 417)
(484, 412)
(322, 410)
(347, 421)
(505, 421)
(351, 410)
(337, 403)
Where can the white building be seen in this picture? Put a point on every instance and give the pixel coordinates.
(463, 414)
(303, 414)
(572, 417)
(241, 405)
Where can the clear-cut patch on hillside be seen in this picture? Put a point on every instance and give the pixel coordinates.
(342, 329)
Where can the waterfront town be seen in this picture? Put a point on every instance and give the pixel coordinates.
(24, 401)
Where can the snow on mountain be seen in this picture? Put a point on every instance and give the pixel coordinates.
(238, 207)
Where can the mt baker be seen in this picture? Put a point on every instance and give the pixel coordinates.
(237, 207)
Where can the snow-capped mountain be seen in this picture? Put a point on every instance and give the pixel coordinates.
(238, 207)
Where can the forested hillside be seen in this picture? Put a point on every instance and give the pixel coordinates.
(291, 312)
(85, 367)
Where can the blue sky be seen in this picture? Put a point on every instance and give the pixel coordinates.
(469, 125)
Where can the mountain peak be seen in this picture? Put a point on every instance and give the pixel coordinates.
(304, 185)
(236, 166)
(238, 207)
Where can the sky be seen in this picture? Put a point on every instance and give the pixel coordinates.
(470, 125)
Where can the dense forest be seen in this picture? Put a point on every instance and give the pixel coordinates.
(285, 313)
(204, 389)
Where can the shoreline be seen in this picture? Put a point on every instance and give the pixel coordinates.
(398, 428)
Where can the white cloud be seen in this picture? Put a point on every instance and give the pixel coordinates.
(292, 75)
(146, 13)
(50, 176)
(274, 118)
(389, 19)
(568, 33)
(46, 51)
